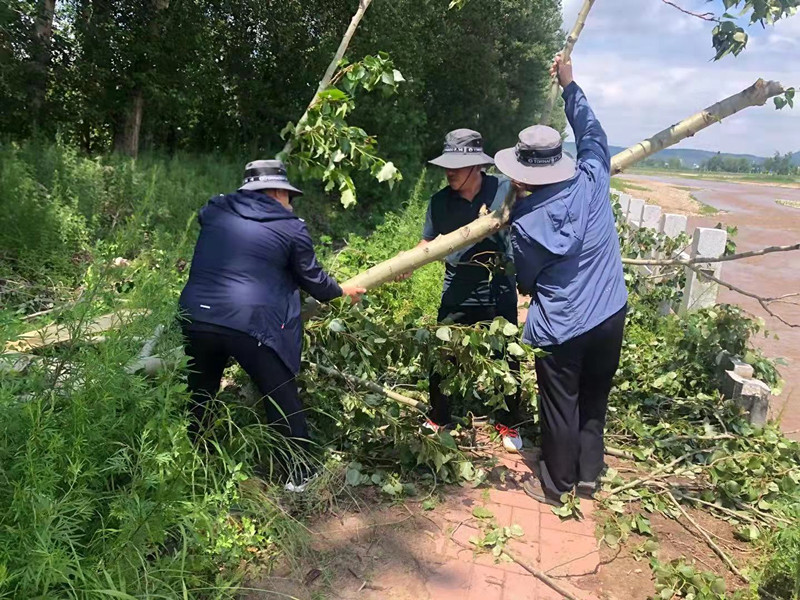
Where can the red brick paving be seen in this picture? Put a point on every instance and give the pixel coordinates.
(565, 550)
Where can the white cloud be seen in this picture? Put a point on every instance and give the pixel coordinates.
(645, 66)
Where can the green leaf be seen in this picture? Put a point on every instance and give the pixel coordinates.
(481, 512)
(718, 587)
(398, 76)
(348, 198)
(353, 477)
(517, 531)
(510, 329)
(515, 349)
(443, 333)
(337, 326)
(387, 172)
(429, 504)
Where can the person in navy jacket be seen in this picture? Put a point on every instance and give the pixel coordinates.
(567, 255)
(242, 299)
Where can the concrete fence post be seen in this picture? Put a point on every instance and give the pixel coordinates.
(673, 225)
(624, 203)
(651, 216)
(699, 291)
(635, 212)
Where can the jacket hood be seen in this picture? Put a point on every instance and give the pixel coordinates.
(253, 206)
(554, 217)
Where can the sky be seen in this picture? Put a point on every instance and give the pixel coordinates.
(644, 66)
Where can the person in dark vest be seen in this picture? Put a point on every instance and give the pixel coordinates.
(478, 285)
(567, 255)
(242, 300)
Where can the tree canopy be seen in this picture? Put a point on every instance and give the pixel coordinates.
(219, 75)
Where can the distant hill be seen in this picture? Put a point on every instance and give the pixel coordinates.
(688, 156)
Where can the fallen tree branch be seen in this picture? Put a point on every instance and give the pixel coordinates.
(650, 476)
(541, 576)
(756, 95)
(363, 5)
(666, 262)
(719, 552)
(763, 301)
(572, 39)
(374, 387)
(483, 227)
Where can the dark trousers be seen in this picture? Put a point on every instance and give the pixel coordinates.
(471, 315)
(209, 350)
(574, 382)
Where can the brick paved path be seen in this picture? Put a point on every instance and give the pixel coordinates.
(565, 550)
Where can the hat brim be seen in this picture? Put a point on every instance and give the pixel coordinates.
(506, 161)
(455, 160)
(255, 186)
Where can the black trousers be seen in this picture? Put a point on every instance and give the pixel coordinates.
(209, 350)
(471, 315)
(574, 382)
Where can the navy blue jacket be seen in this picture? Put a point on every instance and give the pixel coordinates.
(251, 259)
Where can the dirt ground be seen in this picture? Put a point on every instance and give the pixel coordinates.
(373, 550)
(675, 199)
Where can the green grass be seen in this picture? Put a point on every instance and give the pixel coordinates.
(709, 176)
(705, 209)
(625, 187)
(789, 203)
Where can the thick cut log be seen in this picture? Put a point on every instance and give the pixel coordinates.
(755, 95)
(363, 5)
(572, 39)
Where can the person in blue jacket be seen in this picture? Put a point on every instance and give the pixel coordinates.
(242, 299)
(567, 256)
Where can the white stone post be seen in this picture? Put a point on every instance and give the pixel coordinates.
(635, 211)
(700, 292)
(651, 216)
(673, 225)
(624, 203)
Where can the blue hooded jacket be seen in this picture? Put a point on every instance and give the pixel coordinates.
(566, 248)
(251, 259)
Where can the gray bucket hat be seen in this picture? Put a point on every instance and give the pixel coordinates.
(537, 159)
(462, 148)
(267, 175)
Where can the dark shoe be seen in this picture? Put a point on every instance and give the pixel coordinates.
(533, 487)
(587, 489)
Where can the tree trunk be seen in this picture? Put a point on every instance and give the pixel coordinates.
(387, 271)
(572, 39)
(127, 140)
(756, 95)
(363, 5)
(41, 56)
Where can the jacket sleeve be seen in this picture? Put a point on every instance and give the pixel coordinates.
(590, 138)
(307, 271)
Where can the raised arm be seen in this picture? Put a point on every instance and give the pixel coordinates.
(590, 138)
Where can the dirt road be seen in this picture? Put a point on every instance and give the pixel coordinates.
(762, 221)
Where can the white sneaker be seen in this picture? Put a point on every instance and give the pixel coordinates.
(511, 440)
(430, 427)
(299, 485)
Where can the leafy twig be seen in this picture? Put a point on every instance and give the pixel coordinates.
(725, 558)
(650, 476)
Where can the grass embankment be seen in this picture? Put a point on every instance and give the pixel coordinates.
(760, 178)
(103, 496)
